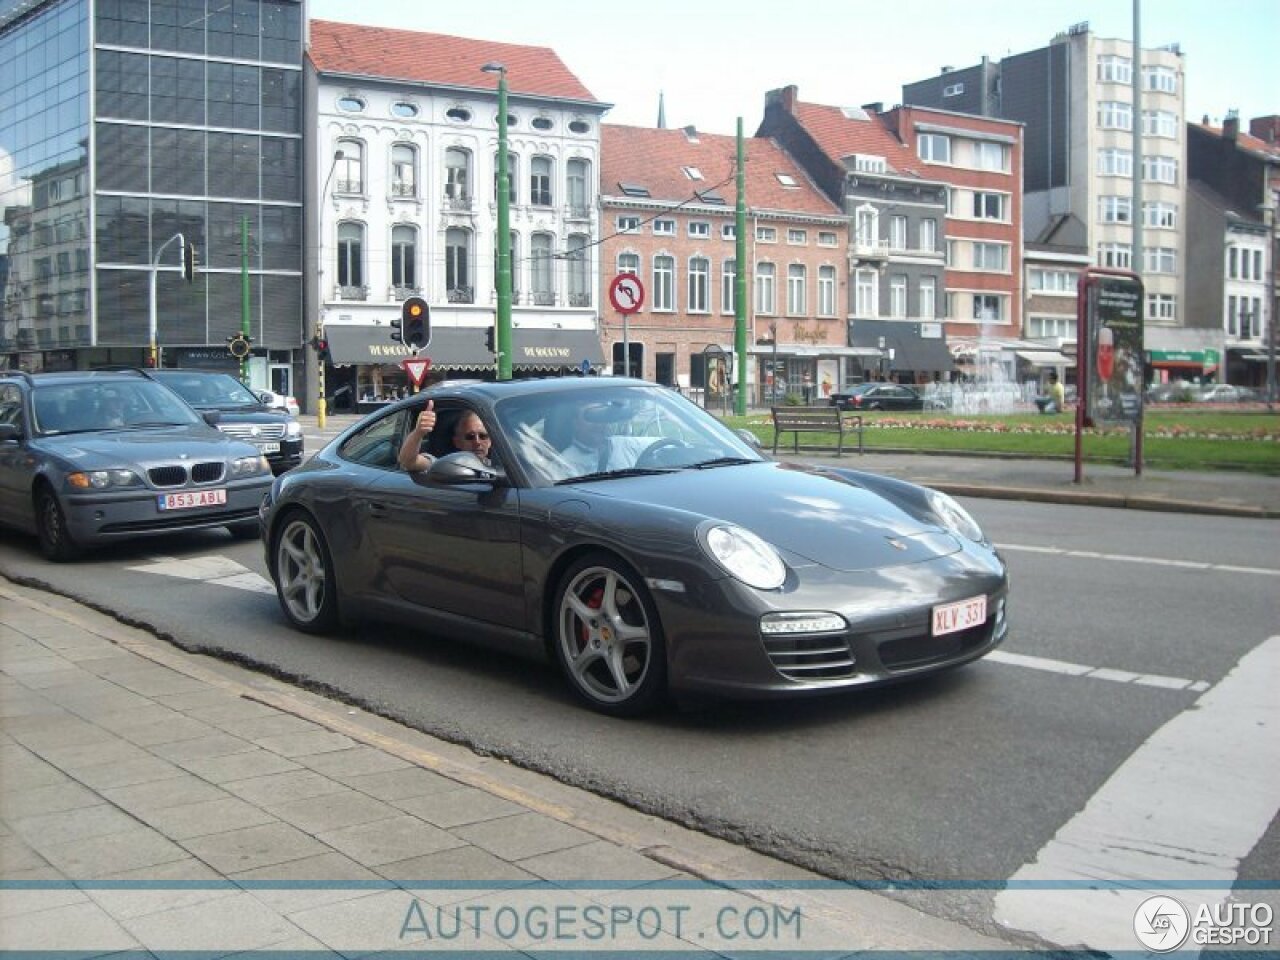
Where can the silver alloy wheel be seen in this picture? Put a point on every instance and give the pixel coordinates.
(604, 635)
(300, 570)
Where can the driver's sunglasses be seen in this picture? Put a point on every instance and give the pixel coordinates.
(475, 435)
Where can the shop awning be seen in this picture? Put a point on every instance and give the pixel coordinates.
(1046, 358)
(911, 351)
(463, 348)
(551, 349)
(363, 343)
(1183, 358)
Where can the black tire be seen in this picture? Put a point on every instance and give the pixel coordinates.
(584, 641)
(302, 569)
(51, 525)
(248, 530)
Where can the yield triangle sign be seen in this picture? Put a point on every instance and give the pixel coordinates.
(417, 369)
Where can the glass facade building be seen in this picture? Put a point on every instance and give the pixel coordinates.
(134, 121)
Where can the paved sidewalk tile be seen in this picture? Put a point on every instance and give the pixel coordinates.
(352, 763)
(459, 807)
(283, 787)
(83, 929)
(98, 857)
(136, 893)
(310, 882)
(49, 799)
(238, 766)
(202, 819)
(228, 924)
(386, 841)
(398, 784)
(525, 835)
(144, 770)
(240, 850)
(176, 791)
(598, 861)
(214, 744)
(81, 823)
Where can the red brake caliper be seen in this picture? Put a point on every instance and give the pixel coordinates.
(594, 599)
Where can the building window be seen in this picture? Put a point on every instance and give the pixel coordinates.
(1160, 259)
(404, 255)
(543, 123)
(351, 105)
(457, 265)
(1118, 255)
(934, 148)
(897, 233)
(866, 226)
(766, 291)
(729, 286)
(579, 270)
(797, 281)
(928, 298)
(1049, 328)
(827, 238)
(1115, 209)
(542, 258)
(402, 108)
(1159, 79)
(404, 170)
(664, 276)
(826, 291)
(1160, 306)
(629, 263)
(513, 177)
(1052, 281)
(1115, 115)
(1160, 169)
(1233, 263)
(664, 228)
(728, 231)
(1115, 163)
(1114, 69)
(578, 175)
(540, 182)
(929, 235)
(990, 206)
(693, 173)
(458, 114)
(1160, 123)
(991, 156)
(350, 256)
(797, 237)
(864, 293)
(1163, 215)
(898, 295)
(953, 90)
(699, 229)
(348, 171)
(628, 224)
(699, 281)
(767, 234)
(988, 308)
(457, 178)
(991, 256)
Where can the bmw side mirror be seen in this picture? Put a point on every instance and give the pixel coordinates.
(264, 399)
(10, 432)
(461, 468)
(211, 417)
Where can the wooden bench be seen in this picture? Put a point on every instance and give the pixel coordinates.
(798, 420)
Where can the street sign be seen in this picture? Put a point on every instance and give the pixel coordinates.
(626, 293)
(416, 369)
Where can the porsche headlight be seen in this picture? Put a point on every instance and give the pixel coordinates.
(955, 517)
(745, 556)
(249, 466)
(103, 479)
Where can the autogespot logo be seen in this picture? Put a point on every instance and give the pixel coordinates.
(1161, 924)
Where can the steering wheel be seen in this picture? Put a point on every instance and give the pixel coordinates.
(651, 456)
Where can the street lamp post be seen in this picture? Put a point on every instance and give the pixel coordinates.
(319, 335)
(155, 269)
(1273, 250)
(502, 331)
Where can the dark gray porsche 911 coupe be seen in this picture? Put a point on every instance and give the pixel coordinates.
(646, 547)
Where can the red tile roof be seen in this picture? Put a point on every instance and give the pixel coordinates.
(349, 48)
(1246, 141)
(838, 136)
(654, 158)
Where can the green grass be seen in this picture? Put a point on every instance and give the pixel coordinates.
(1189, 439)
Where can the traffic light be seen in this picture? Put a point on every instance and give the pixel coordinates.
(415, 325)
(489, 340)
(189, 262)
(322, 348)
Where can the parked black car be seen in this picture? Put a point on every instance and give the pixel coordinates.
(878, 396)
(242, 413)
(94, 456)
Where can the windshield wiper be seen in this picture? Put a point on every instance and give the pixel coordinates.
(154, 423)
(610, 474)
(723, 462)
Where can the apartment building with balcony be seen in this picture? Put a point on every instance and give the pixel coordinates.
(405, 181)
(123, 125)
(896, 211)
(1075, 100)
(668, 207)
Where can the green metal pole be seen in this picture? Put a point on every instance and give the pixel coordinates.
(502, 338)
(740, 280)
(244, 292)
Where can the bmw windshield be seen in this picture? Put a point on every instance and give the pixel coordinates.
(107, 405)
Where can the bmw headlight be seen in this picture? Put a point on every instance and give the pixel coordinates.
(249, 466)
(745, 556)
(955, 517)
(103, 479)
(293, 430)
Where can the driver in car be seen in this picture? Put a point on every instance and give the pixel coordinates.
(469, 434)
(593, 449)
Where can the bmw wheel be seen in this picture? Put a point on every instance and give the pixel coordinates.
(51, 525)
(607, 637)
(304, 576)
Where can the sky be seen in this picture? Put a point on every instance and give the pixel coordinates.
(714, 60)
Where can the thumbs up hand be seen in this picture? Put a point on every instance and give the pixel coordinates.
(427, 418)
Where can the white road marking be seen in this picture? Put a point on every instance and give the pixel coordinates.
(1183, 811)
(1096, 673)
(1150, 561)
(222, 571)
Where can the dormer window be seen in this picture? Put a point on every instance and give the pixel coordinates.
(351, 104)
(693, 173)
(542, 123)
(787, 180)
(404, 109)
(458, 114)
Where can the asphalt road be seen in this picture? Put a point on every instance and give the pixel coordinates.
(1121, 621)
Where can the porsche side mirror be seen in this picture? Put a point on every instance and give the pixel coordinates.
(461, 468)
